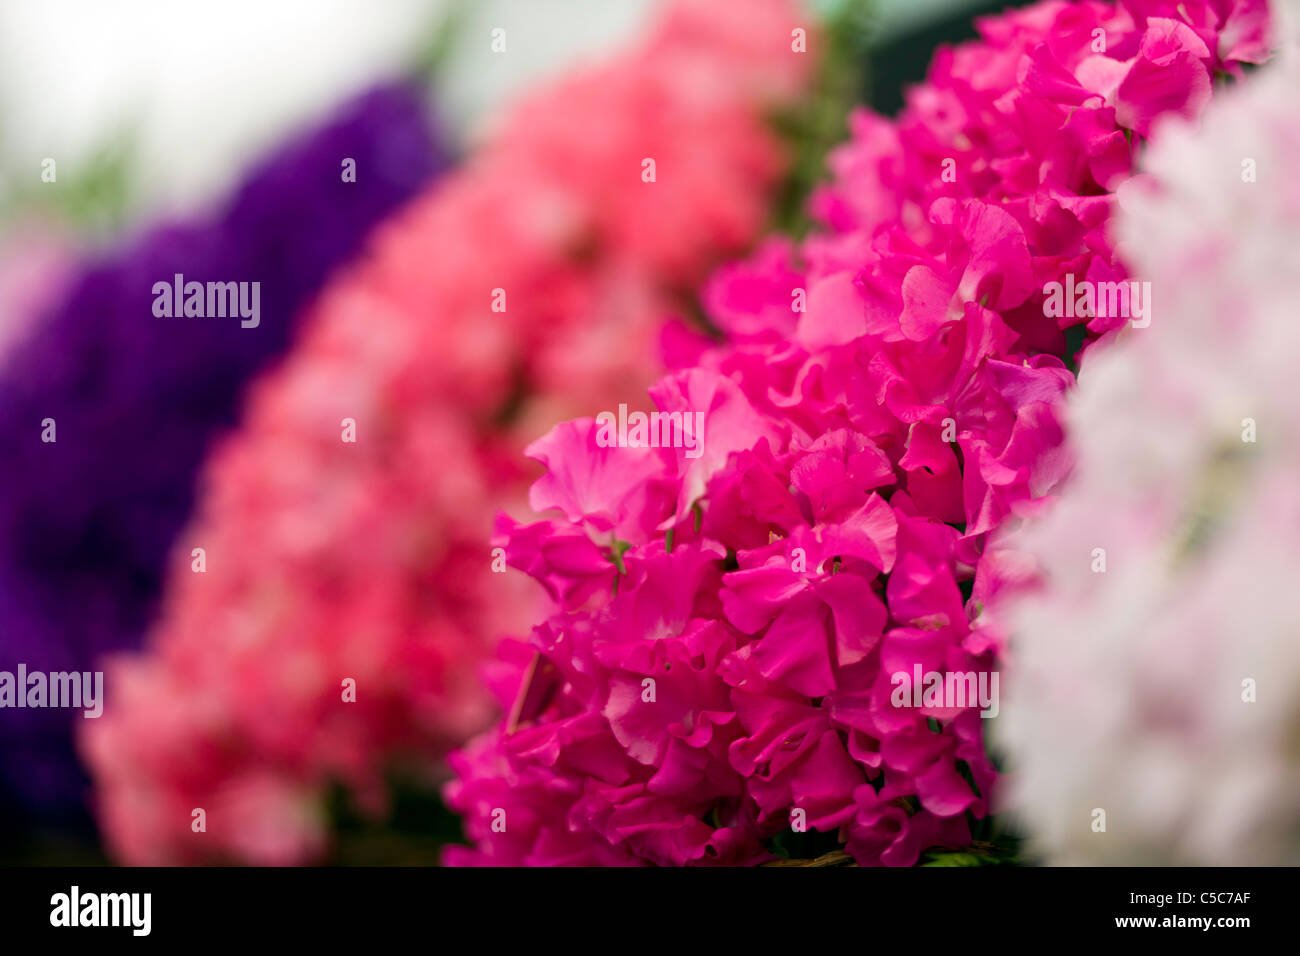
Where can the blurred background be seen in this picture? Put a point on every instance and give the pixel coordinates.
(154, 107)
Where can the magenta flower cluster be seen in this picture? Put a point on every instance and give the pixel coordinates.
(719, 667)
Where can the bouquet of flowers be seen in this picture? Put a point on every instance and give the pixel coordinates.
(758, 624)
(807, 456)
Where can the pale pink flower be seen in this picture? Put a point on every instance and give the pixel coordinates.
(1153, 635)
